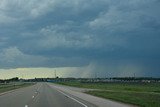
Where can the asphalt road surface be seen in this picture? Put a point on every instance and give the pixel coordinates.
(52, 95)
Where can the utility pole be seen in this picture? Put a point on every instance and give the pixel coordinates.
(55, 73)
(134, 75)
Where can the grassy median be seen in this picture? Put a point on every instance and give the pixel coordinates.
(141, 94)
(12, 86)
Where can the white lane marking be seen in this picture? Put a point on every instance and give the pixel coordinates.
(39, 87)
(72, 98)
(26, 106)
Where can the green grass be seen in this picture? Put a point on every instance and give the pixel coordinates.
(141, 99)
(141, 94)
(8, 87)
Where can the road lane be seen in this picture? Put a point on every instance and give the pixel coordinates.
(49, 97)
(18, 98)
(39, 95)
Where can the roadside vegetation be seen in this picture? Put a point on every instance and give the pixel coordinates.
(141, 94)
(11, 86)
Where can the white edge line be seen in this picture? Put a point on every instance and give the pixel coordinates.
(72, 98)
(39, 87)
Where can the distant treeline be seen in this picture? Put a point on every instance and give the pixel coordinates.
(57, 79)
(121, 79)
(15, 79)
(135, 78)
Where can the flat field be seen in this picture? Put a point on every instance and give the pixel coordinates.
(141, 94)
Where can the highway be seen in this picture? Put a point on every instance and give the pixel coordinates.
(52, 95)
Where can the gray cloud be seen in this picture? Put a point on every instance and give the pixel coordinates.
(114, 34)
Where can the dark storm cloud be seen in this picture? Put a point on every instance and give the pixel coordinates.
(79, 32)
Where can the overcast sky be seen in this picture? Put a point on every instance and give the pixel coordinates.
(79, 37)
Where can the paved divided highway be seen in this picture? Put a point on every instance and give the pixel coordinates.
(52, 95)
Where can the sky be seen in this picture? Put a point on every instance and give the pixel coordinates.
(79, 38)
